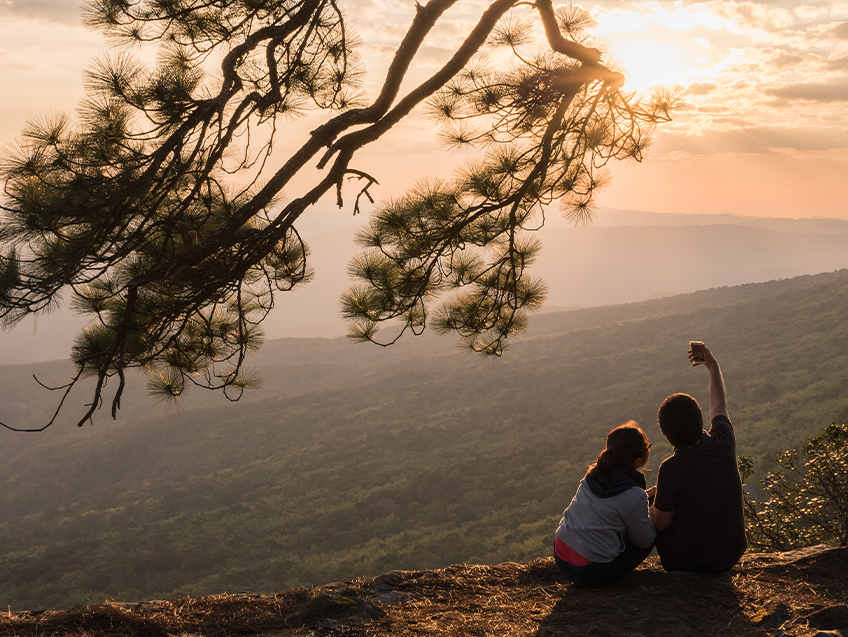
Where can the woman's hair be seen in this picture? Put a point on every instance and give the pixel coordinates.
(625, 445)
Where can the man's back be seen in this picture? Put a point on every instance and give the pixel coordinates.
(701, 485)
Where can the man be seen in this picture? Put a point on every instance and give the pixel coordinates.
(698, 504)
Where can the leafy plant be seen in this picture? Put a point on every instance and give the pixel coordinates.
(805, 504)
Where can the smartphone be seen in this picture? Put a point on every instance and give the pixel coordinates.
(697, 348)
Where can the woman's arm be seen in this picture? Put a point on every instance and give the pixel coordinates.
(638, 522)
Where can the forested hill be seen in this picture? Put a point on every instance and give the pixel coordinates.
(355, 460)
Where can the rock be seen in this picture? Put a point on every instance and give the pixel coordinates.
(392, 597)
(323, 607)
(388, 581)
(787, 557)
(391, 578)
(772, 616)
(829, 618)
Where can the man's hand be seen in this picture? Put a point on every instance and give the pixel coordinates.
(718, 399)
(652, 492)
(709, 359)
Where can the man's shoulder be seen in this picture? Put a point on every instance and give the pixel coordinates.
(722, 421)
(669, 466)
(721, 429)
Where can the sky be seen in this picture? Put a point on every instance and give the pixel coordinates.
(762, 131)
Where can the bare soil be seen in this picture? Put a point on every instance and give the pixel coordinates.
(798, 593)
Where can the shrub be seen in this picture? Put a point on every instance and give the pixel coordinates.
(801, 505)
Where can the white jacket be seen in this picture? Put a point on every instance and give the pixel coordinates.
(595, 527)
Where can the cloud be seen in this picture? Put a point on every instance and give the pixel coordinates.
(757, 140)
(619, 20)
(841, 31)
(835, 90)
(712, 109)
(700, 88)
(60, 11)
(734, 122)
(838, 64)
(787, 60)
(12, 63)
(753, 19)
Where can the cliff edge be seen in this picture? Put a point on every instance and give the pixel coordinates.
(801, 593)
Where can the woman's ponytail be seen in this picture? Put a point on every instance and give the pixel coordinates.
(625, 445)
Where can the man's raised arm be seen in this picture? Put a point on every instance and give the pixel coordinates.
(718, 400)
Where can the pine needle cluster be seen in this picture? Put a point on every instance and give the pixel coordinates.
(130, 211)
(155, 215)
(542, 131)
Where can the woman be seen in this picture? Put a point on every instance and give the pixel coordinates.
(607, 529)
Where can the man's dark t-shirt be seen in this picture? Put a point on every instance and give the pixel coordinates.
(701, 485)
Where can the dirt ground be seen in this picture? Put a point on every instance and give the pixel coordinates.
(799, 593)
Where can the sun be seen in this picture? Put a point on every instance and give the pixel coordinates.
(648, 63)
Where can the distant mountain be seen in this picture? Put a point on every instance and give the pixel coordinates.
(625, 256)
(355, 460)
(615, 218)
(604, 266)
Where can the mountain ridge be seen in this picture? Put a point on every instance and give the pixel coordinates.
(625, 256)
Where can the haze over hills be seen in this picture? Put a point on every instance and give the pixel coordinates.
(625, 256)
(355, 460)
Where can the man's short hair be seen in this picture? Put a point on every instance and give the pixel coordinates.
(680, 419)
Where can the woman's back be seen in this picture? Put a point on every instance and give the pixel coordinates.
(606, 531)
(601, 513)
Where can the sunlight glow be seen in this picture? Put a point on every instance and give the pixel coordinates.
(650, 63)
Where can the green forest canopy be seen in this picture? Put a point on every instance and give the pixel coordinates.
(353, 461)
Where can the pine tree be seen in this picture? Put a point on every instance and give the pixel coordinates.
(140, 214)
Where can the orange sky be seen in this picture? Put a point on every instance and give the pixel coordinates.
(763, 131)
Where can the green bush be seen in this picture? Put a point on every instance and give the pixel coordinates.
(801, 505)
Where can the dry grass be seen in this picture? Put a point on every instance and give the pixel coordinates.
(792, 594)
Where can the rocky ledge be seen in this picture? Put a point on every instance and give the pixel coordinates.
(800, 593)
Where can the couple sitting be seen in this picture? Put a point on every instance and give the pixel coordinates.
(693, 514)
